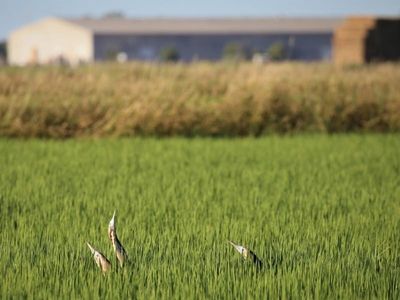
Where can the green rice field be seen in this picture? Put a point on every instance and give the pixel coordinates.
(321, 211)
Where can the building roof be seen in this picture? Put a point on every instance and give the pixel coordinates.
(207, 26)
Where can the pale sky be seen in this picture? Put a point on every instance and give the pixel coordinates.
(16, 13)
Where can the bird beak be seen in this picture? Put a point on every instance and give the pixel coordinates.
(90, 247)
(112, 222)
(111, 225)
(238, 248)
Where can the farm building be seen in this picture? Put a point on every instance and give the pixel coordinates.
(365, 39)
(86, 39)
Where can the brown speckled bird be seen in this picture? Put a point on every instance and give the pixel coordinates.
(247, 254)
(118, 248)
(103, 263)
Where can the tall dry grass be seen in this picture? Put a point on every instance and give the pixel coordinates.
(198, 99)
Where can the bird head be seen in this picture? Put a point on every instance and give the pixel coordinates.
(238, 248)
(111, 226)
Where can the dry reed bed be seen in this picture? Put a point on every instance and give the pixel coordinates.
(198, 99)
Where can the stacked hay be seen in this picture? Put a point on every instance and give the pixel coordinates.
(350, 39)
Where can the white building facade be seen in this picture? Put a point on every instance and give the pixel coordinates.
(48, 41)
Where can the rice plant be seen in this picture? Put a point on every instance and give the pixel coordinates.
(321, 212)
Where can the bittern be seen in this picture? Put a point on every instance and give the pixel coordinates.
(103, 263)
(247, 254)
(118, 248)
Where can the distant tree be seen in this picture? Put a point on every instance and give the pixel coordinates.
(3, 49)
(234, 51)
(113, 15)
(276, 51)
(169, 54)
(111, 54)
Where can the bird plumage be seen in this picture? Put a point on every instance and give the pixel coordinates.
(102, 262)
(247, 254)
(118, 248)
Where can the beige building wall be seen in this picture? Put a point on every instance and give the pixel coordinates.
(50, 40)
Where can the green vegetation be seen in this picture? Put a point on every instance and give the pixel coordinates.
(323, 212)
(277, 51)
(3, 51)
(198, 99)
(111, 55)
(169, 54)
(234, 52)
